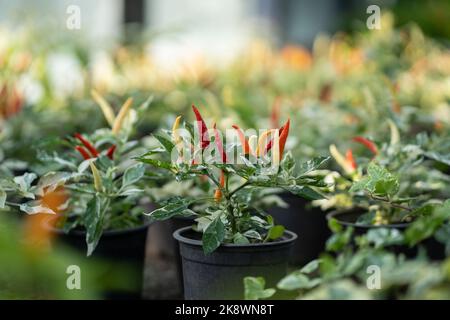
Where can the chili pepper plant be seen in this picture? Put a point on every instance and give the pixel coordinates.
(239, 170)
(397, 181)
(100, 183)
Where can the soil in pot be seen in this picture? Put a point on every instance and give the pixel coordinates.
(309, 223)
(119, 253)
(434, 249)
(219, 275)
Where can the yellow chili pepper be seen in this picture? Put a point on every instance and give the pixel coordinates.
(262, 142)
(276, 149)
(340, 159)
(121, 116)
(175, 135)
(253, 144)
(105, 107)
(395, 135)
(98, 185)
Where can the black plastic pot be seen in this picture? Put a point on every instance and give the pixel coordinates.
(219, 275)
(116, 252)
(309, 224)
(434, 249)
(176, 224)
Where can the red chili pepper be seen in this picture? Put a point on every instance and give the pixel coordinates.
(244, 142)
(284, 135)
(202, 128)
(83, 152)
(219, 144)
(110, 151)
(350, 159)
(87, 144)
(367, 143)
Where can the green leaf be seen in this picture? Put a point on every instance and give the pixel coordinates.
(83, 166)
(311, 266)
(174, 206)
(426, 226)
(133, 174)
(24, 182)
(239, 238)
(130, 192)
(50, 181)
(252, 234)
(304, 192)
(334, 225)
(35, 207)
(438, 157)
(288, 163)
(297, 280)
(359, 185)
(339, 240)
(2, 198)
(387, 187)
(213, 235)
(275, 232)
(157, 163)
(382, 237)
(254, 289)
(166, 143)
(312, 165)
(93, 223)
(378, 181)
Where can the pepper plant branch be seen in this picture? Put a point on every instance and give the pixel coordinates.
(217, 183)
(394, 205)
(240, 187)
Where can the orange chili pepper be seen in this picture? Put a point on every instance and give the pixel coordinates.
(218, 192)
(350, 159)
(244, 141)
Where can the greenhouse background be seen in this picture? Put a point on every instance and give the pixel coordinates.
(198, 150)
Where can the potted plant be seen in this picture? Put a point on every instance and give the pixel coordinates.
(94, 198)
(232, 237)
(398, 188)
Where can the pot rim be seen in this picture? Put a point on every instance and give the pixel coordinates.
(335, 213)
(59, 231)
(179, 237)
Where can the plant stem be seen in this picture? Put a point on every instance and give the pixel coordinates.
(217, 183)
(239, 188)
(231, 215)
(395, 205)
